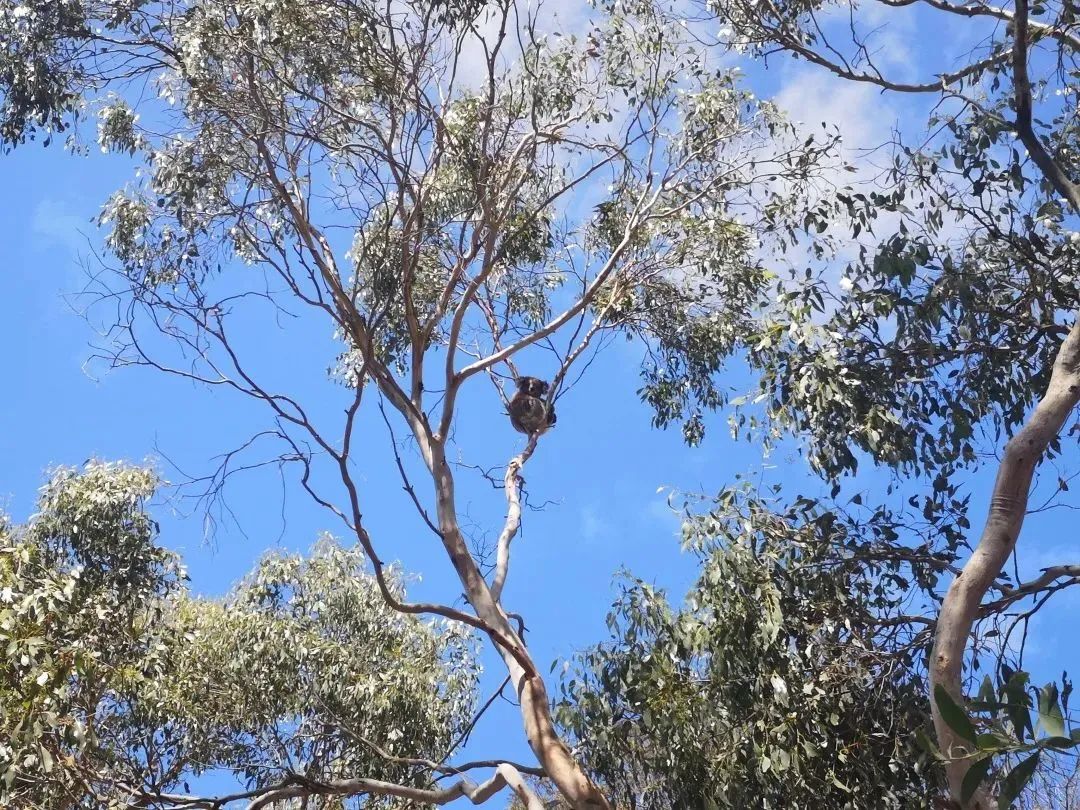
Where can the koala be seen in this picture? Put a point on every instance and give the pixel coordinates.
(529, 411)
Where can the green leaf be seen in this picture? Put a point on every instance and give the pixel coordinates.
(1017, 778)
(986, 691)
(1060, 743)
(953, 715)
(1050, 718)
(46, 759)
(987, 698)
(927, 744)
(1017, 708)
(995, 742)
(975, 776)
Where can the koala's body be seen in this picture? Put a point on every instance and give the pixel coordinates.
(529, 410)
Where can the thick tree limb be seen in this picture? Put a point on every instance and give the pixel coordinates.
(1008, 507)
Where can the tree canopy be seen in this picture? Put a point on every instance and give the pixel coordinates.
(774, 684)
(122, 687)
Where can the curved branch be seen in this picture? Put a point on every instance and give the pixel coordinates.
(791, 42)
(443, 768)
(981, 10)
(1023, 125)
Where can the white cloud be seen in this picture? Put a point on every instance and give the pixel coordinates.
(59, 226)
(563, 17)
(892, 30)
(864, 116)
(869, 122)
(661, 512)
(592, 525)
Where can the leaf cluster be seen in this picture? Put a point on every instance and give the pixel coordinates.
(119, 682)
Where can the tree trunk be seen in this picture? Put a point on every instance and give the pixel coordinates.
(550, 750)
(1008, 507)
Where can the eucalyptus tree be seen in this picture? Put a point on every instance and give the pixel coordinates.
(961, 317)
(120, 687)
(787, 677)
(449, 190)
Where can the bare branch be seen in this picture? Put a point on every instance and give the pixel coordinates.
(791, 41)
(1048, 580)
(505, 775)
(512, 483)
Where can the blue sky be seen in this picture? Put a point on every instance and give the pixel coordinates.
(601, 468)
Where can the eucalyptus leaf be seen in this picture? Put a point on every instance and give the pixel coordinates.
(954, 715)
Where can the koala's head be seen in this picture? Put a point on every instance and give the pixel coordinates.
(532, 386)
